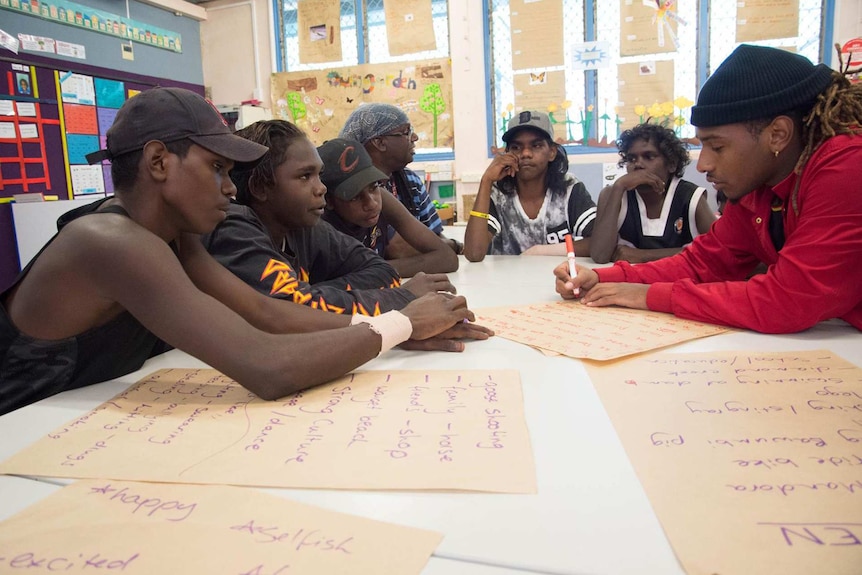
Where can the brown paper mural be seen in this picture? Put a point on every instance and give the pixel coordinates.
(319, 101)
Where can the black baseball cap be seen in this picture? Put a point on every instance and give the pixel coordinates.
(347, 168)
(171, 114)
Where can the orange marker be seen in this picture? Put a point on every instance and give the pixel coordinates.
(570, 254)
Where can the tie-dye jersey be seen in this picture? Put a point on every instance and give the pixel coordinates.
(567, 211)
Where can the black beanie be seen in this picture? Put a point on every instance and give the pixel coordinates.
(757, 82)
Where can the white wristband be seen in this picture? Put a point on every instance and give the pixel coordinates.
(393, 327)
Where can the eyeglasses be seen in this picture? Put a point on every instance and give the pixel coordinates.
(408, 134)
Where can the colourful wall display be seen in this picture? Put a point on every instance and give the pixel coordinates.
(71, 14)
(319, 101)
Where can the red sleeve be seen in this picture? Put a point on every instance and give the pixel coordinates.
(816, 275)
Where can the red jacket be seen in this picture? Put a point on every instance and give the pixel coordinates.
(816, 276)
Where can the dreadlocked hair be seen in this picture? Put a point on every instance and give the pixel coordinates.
(277, 135)
(837, 110)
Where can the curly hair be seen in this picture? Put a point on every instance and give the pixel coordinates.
(277, 135)
(674, 150)
(838, 110)
(555, 178)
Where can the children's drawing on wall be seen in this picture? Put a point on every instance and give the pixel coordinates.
(22, 84)
(665, 15)
(319, 101)
(317, 33)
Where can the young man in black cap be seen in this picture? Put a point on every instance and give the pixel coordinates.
(129, 272)
(781, 139)
(365, 211)
(527, 201)
(274, 239)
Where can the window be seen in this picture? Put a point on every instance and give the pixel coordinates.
(589, 106)
(363, 35)
(333, 92)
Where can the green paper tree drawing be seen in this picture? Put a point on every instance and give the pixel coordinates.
(432, 102)
(296, 106)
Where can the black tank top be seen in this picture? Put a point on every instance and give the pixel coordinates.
(32, 369)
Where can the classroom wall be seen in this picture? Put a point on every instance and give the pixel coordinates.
(236, 42)
(227, 74)
(103, 52)
(238, 33)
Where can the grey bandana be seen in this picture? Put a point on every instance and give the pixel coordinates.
(372, 120)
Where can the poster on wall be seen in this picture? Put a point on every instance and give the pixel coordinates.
(766, 19)
(543, 91)
(319, 31)
(89, 108)
(530, 20)
(646, 91)
(319, 101)
(409, 26)
(29, 134)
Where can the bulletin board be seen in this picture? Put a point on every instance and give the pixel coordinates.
(319, 101)
(50, 119)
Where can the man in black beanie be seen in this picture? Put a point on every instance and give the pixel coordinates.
(781, 140)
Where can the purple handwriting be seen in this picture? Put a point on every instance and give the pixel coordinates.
(765, 463)
(692, 361)
(828, 390)
(838, 460)
(267, 429)
(822, 405)
(376, 398)
(180, 428)
(313, 435)
(132, 418)
(72, 460)
(664, 439)
(453, 403)
(493, 423)
(405, 436)
(758, 380)
(29, 560)
(81, 420)
(175, 510)
(299, 540)
(851, 435)
(415, 400)
(831, 534)
(753, 359)
(741, 441)
(445, 445)
(490, 389)
(786, 489)
(292, 400)
(336, 395)
(732, 407)
(362, 426)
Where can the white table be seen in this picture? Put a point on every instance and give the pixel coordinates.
(590, 514)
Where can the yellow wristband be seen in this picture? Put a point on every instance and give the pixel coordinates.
(482, 215)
